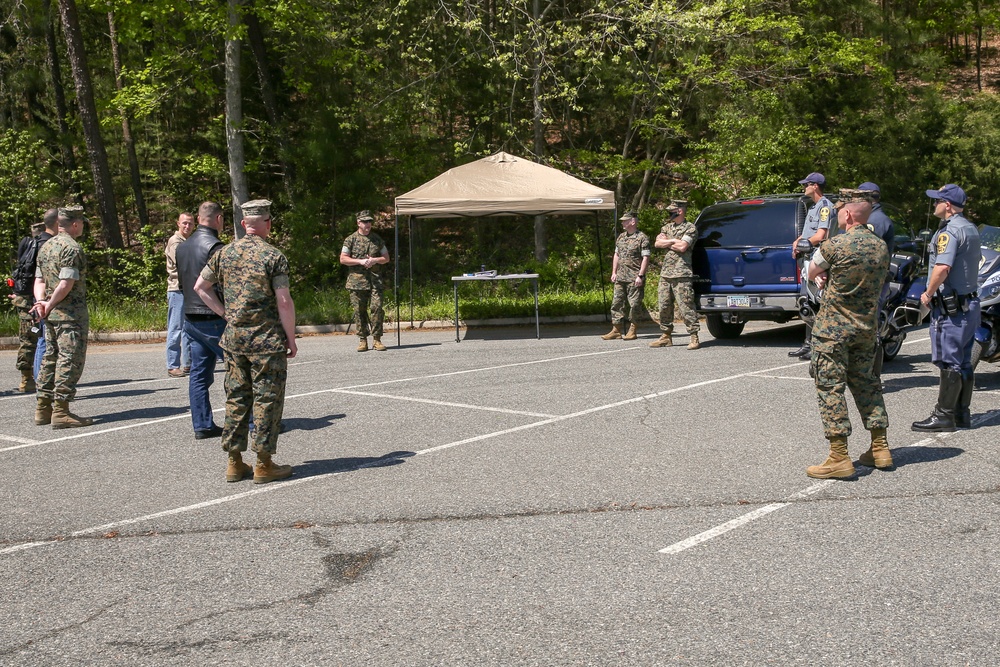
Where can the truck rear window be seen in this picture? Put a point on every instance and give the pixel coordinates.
(741, 225)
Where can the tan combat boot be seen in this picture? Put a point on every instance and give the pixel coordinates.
(27, 382)
(63, 418)
(878, 455)
(663, 341)
(267, 470)
(43, 411)
(837, 465)
(362, 344)
(614, 334)
(377, 345)
(237, 469)
(631, 335)
(694, 343)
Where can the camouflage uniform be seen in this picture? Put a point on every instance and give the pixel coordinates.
(844, 335)
(630, 248)
(67, 324)
(249, 271)
(365, 285)
(27, 339)
(676, 279)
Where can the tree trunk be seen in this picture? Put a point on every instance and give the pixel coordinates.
(103, 187)
(133, 160)
(541, 243)
(62, 113)
(234, 121)
(256, 38)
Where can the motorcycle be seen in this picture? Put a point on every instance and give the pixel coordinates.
(987, 344)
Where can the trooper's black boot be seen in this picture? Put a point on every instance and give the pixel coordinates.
(942, 420)
(802, 352)
(963, 416)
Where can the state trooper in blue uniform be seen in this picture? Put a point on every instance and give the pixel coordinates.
(955, 254)
(816, 229)
(878, 221)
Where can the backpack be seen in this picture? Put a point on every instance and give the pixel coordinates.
(24, 270)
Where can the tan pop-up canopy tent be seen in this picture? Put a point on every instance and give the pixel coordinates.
(498, 185)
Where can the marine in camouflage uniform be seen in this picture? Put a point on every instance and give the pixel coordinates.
(61, 300)
(853, 266)
(677, 237)
(258, 339)
(363, 252)
(23, 300)
(628, 273)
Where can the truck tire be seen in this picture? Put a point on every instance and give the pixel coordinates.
(723, 330)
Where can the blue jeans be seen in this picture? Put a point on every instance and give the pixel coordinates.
(178, 344)
(204, 336)
(40, 350)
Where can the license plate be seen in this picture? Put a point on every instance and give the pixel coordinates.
(738, 301)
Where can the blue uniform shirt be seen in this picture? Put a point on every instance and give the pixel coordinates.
(956, 244)
(881, 224)
(818, 218)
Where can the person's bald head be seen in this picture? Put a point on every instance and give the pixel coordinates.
(854, 214)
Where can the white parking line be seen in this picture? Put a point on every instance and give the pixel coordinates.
(443, 403)
(290, 483)
(11, 438)
(723, 528)
(184, 415)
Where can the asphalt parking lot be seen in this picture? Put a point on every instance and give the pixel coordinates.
(501, 501)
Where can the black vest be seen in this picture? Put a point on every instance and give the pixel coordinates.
(192, 256)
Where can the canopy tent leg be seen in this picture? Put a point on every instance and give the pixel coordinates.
(600, 260)
(409, 231)
(395, 281)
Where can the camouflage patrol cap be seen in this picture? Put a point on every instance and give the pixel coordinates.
(629, 215)
(258, 208)
(365, 215)
(851, 195)
(71, 212)
(677, 204)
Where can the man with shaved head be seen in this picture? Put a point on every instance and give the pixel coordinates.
(851, 267)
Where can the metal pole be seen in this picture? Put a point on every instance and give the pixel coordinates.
(600, 259)
(538, 331)
(457, 338)
(395, 282)
(409, 228)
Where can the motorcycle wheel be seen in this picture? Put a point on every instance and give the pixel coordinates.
(977, 353)
(892, 346)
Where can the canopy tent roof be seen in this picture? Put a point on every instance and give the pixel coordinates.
(503, 184)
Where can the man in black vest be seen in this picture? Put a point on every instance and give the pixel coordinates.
(201, 324)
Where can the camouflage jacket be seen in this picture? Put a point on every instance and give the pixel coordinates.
(678, 264)
(358, 246)
(630, 248)
(249, 271)
(62, 258)
(857, 262)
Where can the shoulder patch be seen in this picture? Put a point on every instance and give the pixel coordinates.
(824, 213)
(870, 227)
(943, 240)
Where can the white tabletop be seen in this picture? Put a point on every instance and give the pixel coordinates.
(502, 276)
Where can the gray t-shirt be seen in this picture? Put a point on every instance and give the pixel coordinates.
(956, 244)
(818, 218)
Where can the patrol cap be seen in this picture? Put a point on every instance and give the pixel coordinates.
(851, 195)
(677, 204)
(950, 193)
(365, 216)
(629, 215)
(258, 208)
(814, 177)
(868, 185)
(72, 212)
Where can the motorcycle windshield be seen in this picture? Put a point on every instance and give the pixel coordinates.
(746, 246)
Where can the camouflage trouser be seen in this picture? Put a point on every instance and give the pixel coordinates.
(65, 355)
(361, 300)
(837, 364)
(27, 339)
(254, 382)
(632, 295)
(681, 292)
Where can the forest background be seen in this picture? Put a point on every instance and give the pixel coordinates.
(141, 109)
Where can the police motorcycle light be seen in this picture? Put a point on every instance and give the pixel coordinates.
(990, 288)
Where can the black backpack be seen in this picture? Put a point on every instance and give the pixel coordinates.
(24, 270)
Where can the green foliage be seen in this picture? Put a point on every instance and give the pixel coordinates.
(137, 275)
(26, 189)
